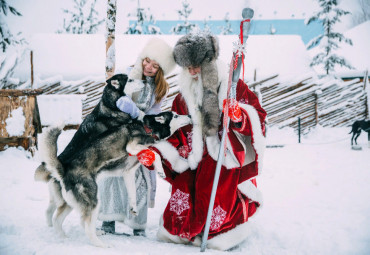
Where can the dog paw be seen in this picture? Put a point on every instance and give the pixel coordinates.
(134, 211)
(62, 235)
(100, 232)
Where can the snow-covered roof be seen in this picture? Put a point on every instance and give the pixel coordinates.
(58, 109)
(74, 57)
(357, 55)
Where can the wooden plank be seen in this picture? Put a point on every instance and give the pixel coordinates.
(20, 92)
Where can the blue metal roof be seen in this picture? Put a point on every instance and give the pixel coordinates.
(258, 27)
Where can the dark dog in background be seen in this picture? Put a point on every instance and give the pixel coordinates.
(356, 129)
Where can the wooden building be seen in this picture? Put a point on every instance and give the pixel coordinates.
(19, 118)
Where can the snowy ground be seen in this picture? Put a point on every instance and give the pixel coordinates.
(316, 201)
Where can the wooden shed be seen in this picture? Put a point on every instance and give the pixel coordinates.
(19, 118)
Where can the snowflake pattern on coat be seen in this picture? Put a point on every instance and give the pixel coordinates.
(179, 202)
(185, 150)
(243, 101)
(218, 217)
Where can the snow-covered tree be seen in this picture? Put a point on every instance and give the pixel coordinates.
(226, 29)
(206, 26)
(12, 45)
(110, 60)
(272, 29)
(145, 22)
(83, 19)
(185, 27)
(329, 40)
(7, 38)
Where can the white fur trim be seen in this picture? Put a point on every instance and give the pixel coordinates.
(230, 238)
(165, 236)
(251, 191)
(178, 163)
(137, 71)
(196, 153)
(192, 92)
(213, 147)
(258, 138)
(158, 50)
(224, 79)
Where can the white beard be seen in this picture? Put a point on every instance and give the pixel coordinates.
(196, 88)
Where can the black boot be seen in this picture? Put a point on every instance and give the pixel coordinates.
(109, 227)
(139, 232)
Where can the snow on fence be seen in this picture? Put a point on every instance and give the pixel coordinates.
(91, 89)
(327, 101)
(94, 89)
(55, 109)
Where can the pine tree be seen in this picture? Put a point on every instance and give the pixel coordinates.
(6, 36)
(145, 22)
(110, 60)
(83, 19)
(186, 27)
(206, 26)
(329, 40)
(226, 29)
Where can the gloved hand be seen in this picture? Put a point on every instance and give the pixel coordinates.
(125, 104)
(235, 114)
(146, 157)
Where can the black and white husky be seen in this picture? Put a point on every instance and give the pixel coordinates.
(100, 145)
(73, 183)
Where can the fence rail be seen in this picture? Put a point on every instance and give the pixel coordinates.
(327, 102)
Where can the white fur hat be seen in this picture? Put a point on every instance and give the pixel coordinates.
(158, 50)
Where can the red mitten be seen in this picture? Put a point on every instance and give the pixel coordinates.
(146, 157)
(235, 114)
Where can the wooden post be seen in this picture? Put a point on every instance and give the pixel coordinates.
(299, 129)
(110, 59)
(31, 59)
(367, 106)
(316, 110)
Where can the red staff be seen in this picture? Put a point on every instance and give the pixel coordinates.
(234, 73)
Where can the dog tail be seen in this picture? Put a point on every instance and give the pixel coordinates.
(49, 148)
(42, 174)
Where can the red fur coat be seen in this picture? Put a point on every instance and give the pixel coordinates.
(190, 162)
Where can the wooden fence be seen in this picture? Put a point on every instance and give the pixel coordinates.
(327, 101)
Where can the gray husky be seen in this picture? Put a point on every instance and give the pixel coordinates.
(73, 182)
(91, 152)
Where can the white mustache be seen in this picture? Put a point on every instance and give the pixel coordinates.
(195, 76)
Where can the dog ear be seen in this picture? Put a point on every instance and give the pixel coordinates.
(160, 119)
(115, 83)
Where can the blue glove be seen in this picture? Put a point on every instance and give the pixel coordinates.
(125, 104)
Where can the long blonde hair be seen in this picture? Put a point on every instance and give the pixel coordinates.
(161, 85)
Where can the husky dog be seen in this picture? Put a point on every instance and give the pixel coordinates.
(105, 119)
(72, 183)
(104, 116)
(356, 129)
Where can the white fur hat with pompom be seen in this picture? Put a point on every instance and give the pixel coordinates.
(158, 50)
